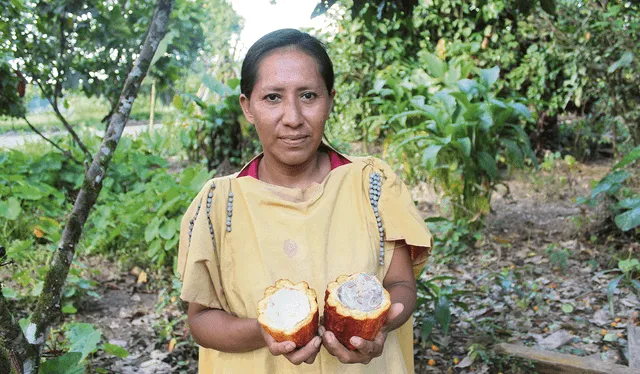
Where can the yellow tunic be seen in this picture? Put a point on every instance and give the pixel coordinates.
(311, 235)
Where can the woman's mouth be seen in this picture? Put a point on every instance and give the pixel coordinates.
(294, 140)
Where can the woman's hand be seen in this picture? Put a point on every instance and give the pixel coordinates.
(366, 350)
(306, 354)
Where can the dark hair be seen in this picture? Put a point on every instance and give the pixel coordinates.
(279, 39)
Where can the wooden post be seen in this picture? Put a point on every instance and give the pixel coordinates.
(548, 362)
(153, 105)
(633, 337)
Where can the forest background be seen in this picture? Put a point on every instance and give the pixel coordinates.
(516, 124)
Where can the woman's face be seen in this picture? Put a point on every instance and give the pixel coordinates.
(289, 106)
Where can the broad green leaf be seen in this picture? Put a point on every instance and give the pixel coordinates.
(430, 154)
(629, 203)
(10, 209)
(611, 183)
(9, 293)
(69, 363)
(83, 338)
(628, 220)
(490, 76)
(629, 158)
(488, 164)
(442, 313)
(435, 66)
(522, 110)
(151, 231)
(69, 309)
(26, 191)
(162, 47)
(625, 60)
(428, 324)
(469, 86)
(514, 153)
(115, 350)
(629, 265)
(567, 308)
(167, 230)
(465, 146)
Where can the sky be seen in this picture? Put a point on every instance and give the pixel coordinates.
(261, 17)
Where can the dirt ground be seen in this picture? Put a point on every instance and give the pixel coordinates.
(549, 297)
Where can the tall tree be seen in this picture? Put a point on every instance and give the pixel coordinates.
(23, 351)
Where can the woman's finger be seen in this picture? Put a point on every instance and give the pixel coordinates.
(305, 353)
(335, 348)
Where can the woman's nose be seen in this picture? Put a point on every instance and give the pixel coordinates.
(292, 115)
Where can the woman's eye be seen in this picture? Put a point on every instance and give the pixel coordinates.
(271, 97)
(308, 95)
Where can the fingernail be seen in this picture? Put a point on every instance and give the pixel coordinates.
(330, 338)
(317, 342)
(290, 346)
(355, 341)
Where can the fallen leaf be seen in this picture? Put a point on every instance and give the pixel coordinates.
(172, 344)
(142, 277)
(37, 232)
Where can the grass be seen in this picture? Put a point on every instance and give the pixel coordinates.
(82, 111)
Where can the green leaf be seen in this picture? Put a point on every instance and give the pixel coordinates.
(629, 158)
(68, 363)
(514, 153)
(490, 76)
(522, 110)
(10, 209)
(442, 313)
(629, 203)
(167, 230)
(428, 323)
(611, 337)
(627, 266)
(162, 47)
(628, 220)
(115, 350)
(26, 191)
(83, 338)
(488, 164)
(549, 6)
(151, 231)
(69, 309)
(611, 183)
(625, 60)
(469, 86)
(9, 293)
(435, 66)
(430, 154)
(567, 308)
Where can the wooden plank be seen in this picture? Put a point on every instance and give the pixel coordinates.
(633, 337)
(547, 362)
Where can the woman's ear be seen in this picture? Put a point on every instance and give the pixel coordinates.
(245, 105)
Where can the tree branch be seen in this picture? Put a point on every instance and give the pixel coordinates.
(54, 105)
(49, 300)
(64, 152)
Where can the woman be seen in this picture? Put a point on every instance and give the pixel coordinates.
(299, 211)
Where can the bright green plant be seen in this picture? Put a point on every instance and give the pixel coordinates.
(623, 202)
(216, 133)
(461, 135)
(558, 256)
(436, 297)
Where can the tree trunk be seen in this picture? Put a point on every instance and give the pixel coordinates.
(27, 348)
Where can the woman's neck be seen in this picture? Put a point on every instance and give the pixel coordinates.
(314, 170)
